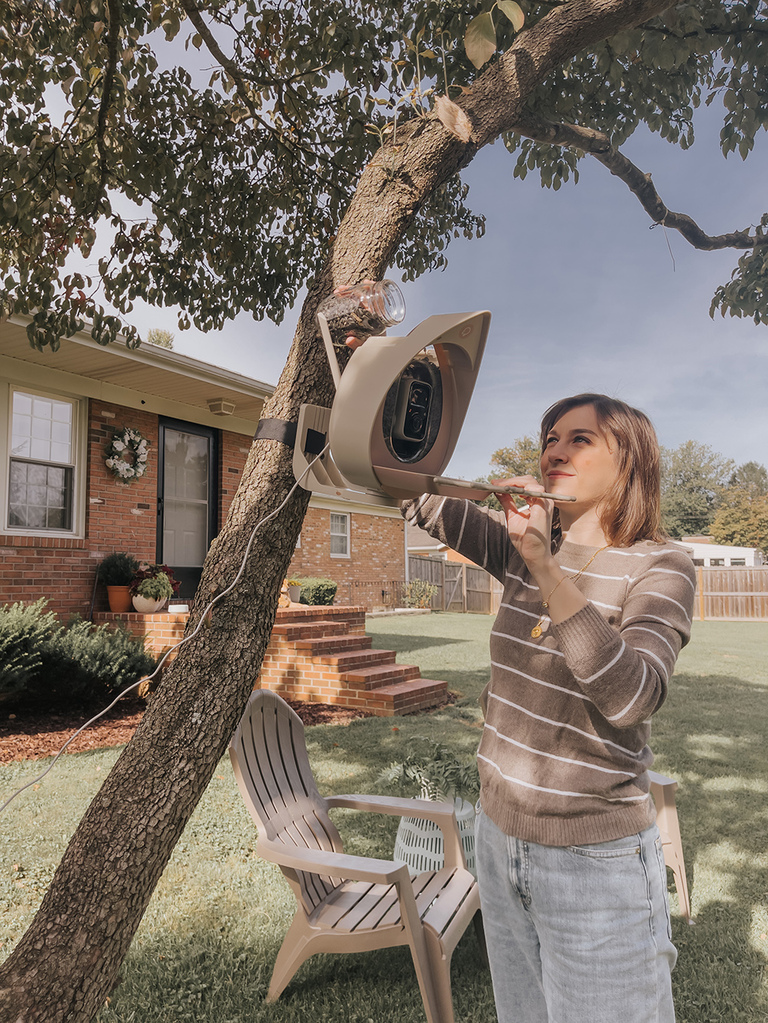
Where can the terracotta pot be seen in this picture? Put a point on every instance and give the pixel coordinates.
(146, 605)
(119, 598)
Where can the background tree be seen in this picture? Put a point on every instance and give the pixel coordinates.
(312, 153)
(751, 478)
(742, 509)
(742, 521)
(521, 458)
(161, 338)
(693, 477)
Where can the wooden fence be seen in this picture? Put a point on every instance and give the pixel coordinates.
(732, 593)
(460, 587)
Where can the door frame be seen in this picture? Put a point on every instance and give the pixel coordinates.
(213, 435)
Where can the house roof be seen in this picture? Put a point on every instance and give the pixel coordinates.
(150, 370)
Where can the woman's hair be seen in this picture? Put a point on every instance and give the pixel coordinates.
(631, 510)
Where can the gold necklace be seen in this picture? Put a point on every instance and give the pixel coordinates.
(537, 630)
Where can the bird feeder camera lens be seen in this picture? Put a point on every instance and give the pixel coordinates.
(412, 415)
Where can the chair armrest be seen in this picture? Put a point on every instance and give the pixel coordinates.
(318, 861)
(441, 814)
(393, 805)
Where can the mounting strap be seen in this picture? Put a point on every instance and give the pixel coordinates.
(285, 432)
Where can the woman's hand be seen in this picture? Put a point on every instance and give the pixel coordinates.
(529, 528)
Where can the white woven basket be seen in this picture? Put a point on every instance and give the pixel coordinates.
(419, 843)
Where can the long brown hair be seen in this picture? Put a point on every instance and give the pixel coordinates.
(631, 510)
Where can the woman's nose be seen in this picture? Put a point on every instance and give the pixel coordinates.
(556, 453)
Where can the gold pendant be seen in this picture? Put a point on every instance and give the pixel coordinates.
(536, 631)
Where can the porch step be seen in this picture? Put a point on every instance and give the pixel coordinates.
(353, 659)
(378, 675)
(332, 645)
(291, 631)
(409, 697)
(322, 655)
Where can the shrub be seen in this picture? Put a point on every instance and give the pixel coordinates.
(24, 632)
(155, 587)
(419, 593)
(43, 663)
(317, 591)
(118, 569)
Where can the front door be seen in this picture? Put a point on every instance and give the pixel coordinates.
(187, 499)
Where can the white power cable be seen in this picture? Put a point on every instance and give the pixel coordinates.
(166, 655)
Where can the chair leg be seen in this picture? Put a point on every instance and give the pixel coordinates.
(440, 962)
(477, 920)
(293, 952)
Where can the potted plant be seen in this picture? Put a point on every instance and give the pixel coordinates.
(152, 585)
(117, 572)
(294, 590)
(438, 773)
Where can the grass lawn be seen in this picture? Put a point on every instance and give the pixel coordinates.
(205, 949)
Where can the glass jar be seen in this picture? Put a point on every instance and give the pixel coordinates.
(362, 309)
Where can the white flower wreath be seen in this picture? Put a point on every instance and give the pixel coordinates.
(127, 455)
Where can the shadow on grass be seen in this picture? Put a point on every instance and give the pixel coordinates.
(219, 974)
(403, 642)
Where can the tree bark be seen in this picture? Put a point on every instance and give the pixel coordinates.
(68, 960)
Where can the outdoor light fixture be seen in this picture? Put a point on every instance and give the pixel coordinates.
(221, 407)
(399, 407)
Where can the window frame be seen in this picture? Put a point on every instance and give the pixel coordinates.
(347, 534)
(78, 464)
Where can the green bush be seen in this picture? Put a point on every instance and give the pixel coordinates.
(118, 569)
(83, 665)
(317, 591)
(25, 631)
(419, 593)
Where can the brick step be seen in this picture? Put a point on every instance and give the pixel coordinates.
(378, 675)
(408, 697)
(332, 645)
(291, 631)
(352, 659)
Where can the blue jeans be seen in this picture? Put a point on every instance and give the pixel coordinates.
(579, 934)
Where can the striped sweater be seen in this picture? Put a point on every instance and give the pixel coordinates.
(564, 753)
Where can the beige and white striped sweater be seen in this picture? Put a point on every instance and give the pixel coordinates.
(564, 752)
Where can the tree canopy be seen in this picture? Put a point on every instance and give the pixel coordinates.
(220, 191)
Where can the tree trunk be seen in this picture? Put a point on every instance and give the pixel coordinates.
(68, 960)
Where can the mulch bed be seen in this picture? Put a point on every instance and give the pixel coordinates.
(30, 736)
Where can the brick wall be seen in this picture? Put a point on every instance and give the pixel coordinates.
(376, 552)
(119, 516)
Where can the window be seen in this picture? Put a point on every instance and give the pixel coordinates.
(717, 562)
(339, 535)
(41, 463)
(739, 562)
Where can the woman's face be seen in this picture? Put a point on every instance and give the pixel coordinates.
(579, 459)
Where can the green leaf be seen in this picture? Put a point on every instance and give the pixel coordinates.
(512, 11)
(480, 39)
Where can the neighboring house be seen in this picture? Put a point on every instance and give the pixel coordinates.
(715, 555)
(63, 509)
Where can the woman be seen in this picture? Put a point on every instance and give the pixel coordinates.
(596, 607)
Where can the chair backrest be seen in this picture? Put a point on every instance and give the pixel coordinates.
(269, 758)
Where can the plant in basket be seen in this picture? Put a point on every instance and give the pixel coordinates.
(437, 773)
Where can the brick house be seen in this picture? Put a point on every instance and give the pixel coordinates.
(63, 509)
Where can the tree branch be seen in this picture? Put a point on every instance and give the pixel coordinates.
(598, 145)
(192, 10)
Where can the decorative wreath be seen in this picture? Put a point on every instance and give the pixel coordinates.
(127, 455)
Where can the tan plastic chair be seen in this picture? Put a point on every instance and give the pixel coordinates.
(347, 903)
(663, 791)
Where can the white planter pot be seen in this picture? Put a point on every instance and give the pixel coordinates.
(146, 605)
(419, 843)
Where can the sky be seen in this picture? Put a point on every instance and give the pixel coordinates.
(584, 296)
